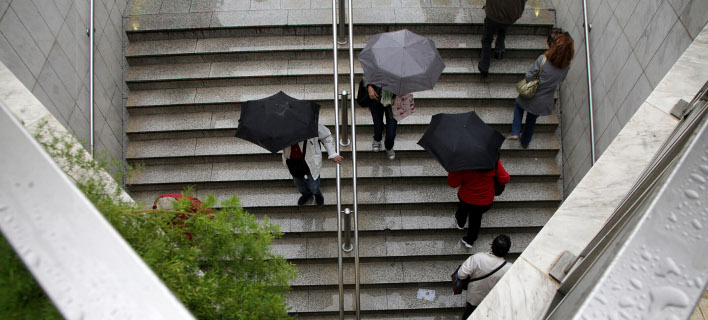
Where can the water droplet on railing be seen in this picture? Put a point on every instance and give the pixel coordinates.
(667, 296)
(636, 283)
(697, 224)
(698, 178)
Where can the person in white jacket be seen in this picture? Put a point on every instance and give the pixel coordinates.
(304, 160)
(484, 270)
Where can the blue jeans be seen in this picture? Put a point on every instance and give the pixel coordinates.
(378, 113)
(308, 186)
(528, 128)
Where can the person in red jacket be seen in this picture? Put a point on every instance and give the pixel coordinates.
(476, 195)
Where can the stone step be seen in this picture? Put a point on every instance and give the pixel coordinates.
(278, 72)
(409, 246)
(372, 218)
(319, 21)
(395, 300)
(305, 91)
(436, 314)
(406, 140)
(225, 123)
(369, 166)
(214, 49)
(432, 272)
(369, 191)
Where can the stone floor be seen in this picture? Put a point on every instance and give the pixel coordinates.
(190, 14)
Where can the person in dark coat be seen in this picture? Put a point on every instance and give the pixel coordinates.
(500, 14)
(380, 107)
(555, 69)
(476, 195)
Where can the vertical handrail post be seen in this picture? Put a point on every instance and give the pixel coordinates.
(337, 149)
(342, 20)
(586, 30)
(347, 246)
(344, 141)
(91, 84)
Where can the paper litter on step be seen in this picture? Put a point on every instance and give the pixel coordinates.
(425, 294)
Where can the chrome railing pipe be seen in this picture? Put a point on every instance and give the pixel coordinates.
(344, 141)
(586, 30)
(91, 33)
(338, 171)
(342, 37)
(353, 138)
(347, 246)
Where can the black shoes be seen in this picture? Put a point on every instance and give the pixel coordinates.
(319, 199)
(303, 199)
(499, 55)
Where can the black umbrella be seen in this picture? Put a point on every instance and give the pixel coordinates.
(278, 121)
(462, 141)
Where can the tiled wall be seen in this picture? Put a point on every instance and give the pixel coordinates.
(45, 44)
(633, 44)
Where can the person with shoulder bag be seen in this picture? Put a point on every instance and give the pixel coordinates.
(483, 270)
(537, 89)
(304, 161)
(379, 102)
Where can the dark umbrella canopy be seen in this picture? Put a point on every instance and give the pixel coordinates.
(401, 62)
(278, 121)
(462, 141)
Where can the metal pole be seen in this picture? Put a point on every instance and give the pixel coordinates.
(91, 41)
(342, 21)
(587, 63)
(347, 245)
(345, 122)
(339, 168)
(353, 138)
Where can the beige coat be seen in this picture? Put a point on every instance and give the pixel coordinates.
(313, 155)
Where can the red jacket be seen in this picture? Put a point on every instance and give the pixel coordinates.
(477, 187)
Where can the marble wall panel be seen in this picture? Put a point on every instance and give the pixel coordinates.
(44, 43)
(631, 41)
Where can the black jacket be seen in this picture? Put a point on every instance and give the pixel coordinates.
(504, 11)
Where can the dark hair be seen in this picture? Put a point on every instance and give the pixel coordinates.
(561, 52)
(501, 245)
(554, 33)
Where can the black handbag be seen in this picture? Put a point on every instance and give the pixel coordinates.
(498, 188)
(298, 167)
(362, 95)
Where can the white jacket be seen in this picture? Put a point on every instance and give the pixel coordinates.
(479, 265)
(313, 155)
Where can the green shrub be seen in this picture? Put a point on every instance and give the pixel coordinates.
(225, 271)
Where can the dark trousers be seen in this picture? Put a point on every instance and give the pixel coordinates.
(474, 214)
(308, 186)
(528, 128)
(468, 311)
(378, 113)
(490, 28)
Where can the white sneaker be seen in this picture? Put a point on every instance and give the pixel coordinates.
(391, 154)
(513, 137)
(376, 146)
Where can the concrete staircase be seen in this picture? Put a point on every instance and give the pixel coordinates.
(187, 85)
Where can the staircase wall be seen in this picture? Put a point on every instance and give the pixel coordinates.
(633, 44)
(45, 45)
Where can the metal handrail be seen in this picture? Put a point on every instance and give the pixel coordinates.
(335, 48)
(586, 29)
(91, 32)
(67, 244)
(345, 121)
(357, 278)
(342, 37)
